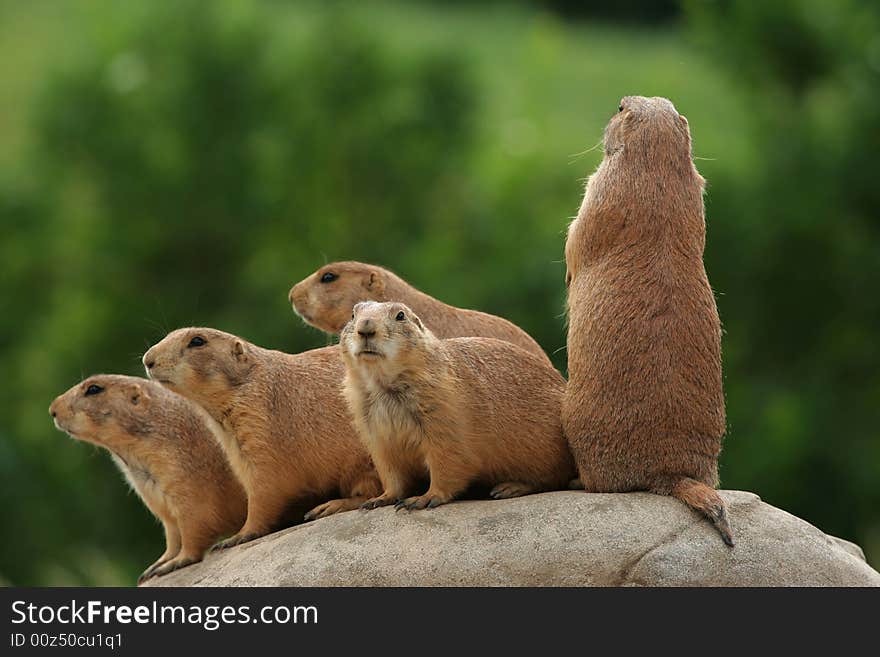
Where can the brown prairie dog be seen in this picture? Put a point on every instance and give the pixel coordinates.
(644, 407)
(288, 436)
(461, 411)
(167, 450)
(325, 300)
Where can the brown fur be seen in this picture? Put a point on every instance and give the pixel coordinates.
(644, 408)
(167, 449)
(328, 306)
(461, 411)
(289, 437)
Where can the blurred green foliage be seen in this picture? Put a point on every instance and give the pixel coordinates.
(178, 164)
(795, 250)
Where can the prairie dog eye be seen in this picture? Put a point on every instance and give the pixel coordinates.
(329, 277)
(93, 390)
(620, 107)
(197, 341)
(400, 316)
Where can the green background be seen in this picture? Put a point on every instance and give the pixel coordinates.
(169, 164)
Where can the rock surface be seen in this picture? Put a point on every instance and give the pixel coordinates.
(565, 538)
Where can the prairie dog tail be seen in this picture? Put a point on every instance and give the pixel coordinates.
(702, 498)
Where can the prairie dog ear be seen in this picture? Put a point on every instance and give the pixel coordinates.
(417, 322)
(137, 395)
(375, 283)
(238, 351)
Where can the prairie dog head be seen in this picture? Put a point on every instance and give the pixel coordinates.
(647, 171)
(200, 363)
(648, 129)
(326, 298)
(385, 337)
(109, 410)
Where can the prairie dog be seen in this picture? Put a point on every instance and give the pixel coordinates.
(287, 433)
(461, 411)
(167, 450)
(644, 407)
(325, 300)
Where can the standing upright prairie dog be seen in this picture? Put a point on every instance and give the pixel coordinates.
(167, 449)
(461, 411)
(325, 300)
(644, 407)
(288, 437)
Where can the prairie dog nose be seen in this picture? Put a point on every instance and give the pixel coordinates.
(52, 410)
(366, 328)
(149, 360)
(290, 294)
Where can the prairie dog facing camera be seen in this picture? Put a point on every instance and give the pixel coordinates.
(459, 411)
(644, 407)
(167, 449)
(325, 299)
(288, 436)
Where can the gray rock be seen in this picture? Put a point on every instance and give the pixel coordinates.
(565, 538)
(849, 546)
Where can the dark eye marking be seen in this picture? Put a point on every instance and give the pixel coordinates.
(400, 316)
(329, 277)
(620, 107)
(197, 341)
(93, 390)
